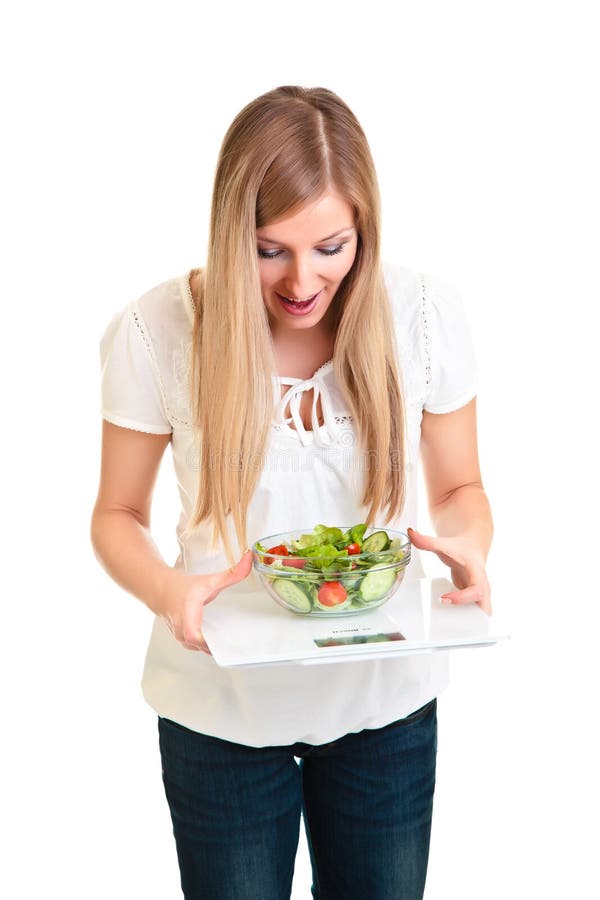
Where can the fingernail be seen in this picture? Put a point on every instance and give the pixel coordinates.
(446, 599)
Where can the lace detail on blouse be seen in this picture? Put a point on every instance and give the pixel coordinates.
(339, 420)
(326, 365)
(188, 290)
(426, 346)
(139, 323)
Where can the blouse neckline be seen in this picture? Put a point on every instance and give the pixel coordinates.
(322, 370)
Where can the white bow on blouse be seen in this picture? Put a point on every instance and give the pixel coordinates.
(294, 396)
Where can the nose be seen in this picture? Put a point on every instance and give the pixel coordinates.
(299, 280)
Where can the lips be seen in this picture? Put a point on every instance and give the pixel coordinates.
(297, 302)
(299, 309)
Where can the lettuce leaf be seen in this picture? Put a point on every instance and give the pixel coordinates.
(328, 535)
(357, 533)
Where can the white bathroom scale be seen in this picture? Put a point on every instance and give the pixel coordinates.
(243, 626)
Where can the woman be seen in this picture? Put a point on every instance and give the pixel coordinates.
(295, 377)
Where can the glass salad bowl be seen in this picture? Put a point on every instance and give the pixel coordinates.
(332, 571)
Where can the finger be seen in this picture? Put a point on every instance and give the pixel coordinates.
(429, 542)
(236, 573)
(191, 636)
(445, 548)
(470, 594)
(214, 584)
(417, 538)
(193, 639)
(200, 646)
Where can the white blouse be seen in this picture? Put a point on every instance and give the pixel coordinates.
(307, 477)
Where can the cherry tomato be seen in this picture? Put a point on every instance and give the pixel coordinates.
(332, 593)
(279, 550)
(353, 549)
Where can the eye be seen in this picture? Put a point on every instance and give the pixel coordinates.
(324, 251)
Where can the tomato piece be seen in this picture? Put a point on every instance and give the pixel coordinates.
(297, 561)
(353, 549)
(332, 593)
(279, 550)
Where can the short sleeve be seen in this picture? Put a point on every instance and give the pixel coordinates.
(131, 389)
(450, 359)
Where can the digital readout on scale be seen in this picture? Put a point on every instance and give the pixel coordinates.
(340, 641)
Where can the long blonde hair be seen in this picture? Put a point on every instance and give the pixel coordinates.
(286, 148)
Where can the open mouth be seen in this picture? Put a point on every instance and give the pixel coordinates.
(299, 307)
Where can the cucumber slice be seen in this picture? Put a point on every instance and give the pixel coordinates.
(377, 583)
(312, 592)
(351, 582)
(292, 594)
(376, 542)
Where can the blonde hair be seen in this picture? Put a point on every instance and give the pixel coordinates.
(286, 148)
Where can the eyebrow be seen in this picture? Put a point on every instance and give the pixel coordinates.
(328, 238)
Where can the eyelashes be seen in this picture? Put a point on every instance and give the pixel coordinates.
(273, 254)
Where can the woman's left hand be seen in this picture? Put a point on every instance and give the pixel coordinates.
(467, 568)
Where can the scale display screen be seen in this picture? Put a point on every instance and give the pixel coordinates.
(339, 641)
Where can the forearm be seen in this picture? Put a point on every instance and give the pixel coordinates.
(466, 513)
(125, 550)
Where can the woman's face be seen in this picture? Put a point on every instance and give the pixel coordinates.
(305, 257)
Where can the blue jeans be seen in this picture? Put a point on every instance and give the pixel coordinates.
(366, 801)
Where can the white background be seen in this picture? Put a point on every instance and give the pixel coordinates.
(481, 118)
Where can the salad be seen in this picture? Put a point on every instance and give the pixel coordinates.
(330, 570)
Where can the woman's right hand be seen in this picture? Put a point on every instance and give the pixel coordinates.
(185, 596)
